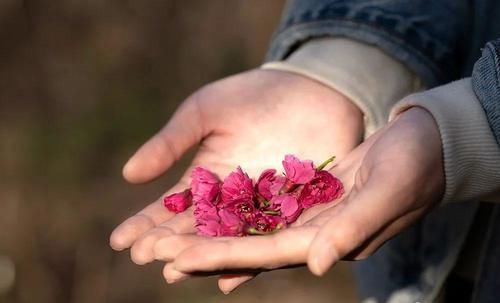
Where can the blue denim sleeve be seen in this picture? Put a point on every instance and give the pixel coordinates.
(424, 34)
(486, 84)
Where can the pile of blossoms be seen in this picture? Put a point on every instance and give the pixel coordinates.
(239, 207)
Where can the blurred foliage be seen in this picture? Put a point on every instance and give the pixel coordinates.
(82, 84)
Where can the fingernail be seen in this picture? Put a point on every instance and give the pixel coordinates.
(127, 168)
(227, 290)
(175, 280)
(322, 261)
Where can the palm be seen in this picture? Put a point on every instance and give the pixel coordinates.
(251, 120)
(256, 118)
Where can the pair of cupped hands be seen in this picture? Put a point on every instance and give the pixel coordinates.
(253, 119)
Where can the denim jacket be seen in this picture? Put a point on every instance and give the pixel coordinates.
(440, 41)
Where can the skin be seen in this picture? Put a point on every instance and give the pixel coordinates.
(251, 119)
(391, 180)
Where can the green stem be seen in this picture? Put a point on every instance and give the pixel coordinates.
(272, 212)
(255, 232)
(324, 164)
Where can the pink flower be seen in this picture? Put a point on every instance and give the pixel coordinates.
(236, 207)
(268, 184)
(209, 228)
(237, 187)
(243, 209)
(205, 211)
(204, 185)
(263, 223)
(218, 223)
(323, 188)
(206, 218)
(231, 223)
(288, 206)
(299, 172)
(178, 202)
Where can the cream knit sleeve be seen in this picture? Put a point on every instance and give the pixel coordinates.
(471, 154)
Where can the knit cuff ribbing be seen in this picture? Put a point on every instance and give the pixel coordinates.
(471, 155)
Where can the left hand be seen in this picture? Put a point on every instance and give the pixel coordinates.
(251, 119)
(391, 180)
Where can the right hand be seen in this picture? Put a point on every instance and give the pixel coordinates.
(391, 180)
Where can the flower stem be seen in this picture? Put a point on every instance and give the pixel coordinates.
(324, 164)
(262, 201)
(287, 187)
(272, 212)
(253, 231)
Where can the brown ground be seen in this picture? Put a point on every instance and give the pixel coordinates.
(82, 84)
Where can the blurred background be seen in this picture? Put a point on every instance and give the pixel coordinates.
(82, 84)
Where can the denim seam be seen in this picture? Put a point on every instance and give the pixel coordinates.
(496, 59)
(486, 74)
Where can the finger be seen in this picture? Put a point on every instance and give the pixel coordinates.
(167, 248)
(228, 283)
(142, 251)
(152, 215)
(171, 275)
(182, 132)
(287, 247)
(363, 215)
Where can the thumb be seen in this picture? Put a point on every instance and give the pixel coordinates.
(364, 214)
(184, 130)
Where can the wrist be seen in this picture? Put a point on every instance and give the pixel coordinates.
(328, 97)
(423, 131)
(471, 155)
(369, 77)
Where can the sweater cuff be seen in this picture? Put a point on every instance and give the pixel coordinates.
(370, 78)
(471, 155)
